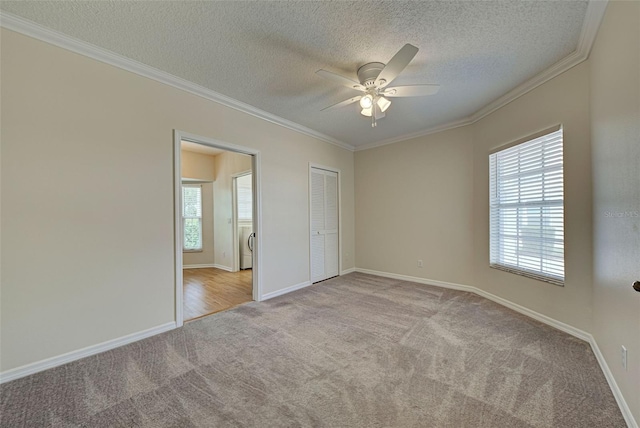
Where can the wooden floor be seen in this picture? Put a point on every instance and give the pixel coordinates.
(210, 290)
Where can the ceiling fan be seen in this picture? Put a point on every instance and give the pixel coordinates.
(374, 78)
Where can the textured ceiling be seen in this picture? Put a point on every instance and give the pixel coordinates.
(266, 53)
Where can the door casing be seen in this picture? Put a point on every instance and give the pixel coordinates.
(178, 137)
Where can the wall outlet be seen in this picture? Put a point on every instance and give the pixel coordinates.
(623, 354)
(420, 264)
(224, 254)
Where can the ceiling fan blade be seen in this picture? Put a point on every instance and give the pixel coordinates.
(343, 103)
(411, 91)
(396, 64)
(340, 80)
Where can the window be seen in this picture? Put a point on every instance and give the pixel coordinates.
(526, 200)
(192, 217)
(244, 194)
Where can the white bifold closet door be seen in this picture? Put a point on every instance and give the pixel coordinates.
(324, 224)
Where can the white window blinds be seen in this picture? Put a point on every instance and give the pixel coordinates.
(245, 198)
(192, 217)
(527, 209)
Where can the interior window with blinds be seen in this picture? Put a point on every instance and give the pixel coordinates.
(527, 208)
(192, 217)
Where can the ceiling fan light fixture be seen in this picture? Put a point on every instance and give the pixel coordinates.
(373, 81)
(366, 102)
(383, 103)
(366, 112)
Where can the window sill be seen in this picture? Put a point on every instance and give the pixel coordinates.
(538, 277)
(192, 251)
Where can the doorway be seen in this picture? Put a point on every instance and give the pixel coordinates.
(211, 274)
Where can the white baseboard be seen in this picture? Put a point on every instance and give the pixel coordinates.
(297, 287)
(285, 290)
(227, 268)
(576, 332)
(418, 280)
(38, 366)
(504, 302)
(208, 265)
(624, 408)
(199, 266)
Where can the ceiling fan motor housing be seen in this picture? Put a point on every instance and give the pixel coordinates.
(368, 73)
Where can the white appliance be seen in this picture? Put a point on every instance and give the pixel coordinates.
(246, 247)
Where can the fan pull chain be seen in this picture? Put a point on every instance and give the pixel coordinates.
(373, 115)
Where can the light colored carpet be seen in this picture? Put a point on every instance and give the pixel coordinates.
(355, 351)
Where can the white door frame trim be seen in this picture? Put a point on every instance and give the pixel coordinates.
(179, 136)
(337, 171)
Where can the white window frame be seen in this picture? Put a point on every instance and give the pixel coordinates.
(521, 185)
(184, 249)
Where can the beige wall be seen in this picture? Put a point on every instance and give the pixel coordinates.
(564, 100)
(427, 198)
(198, 166)
(615, 139)
(87, 198)
(414, 201)
(227, 164)
(598, 104)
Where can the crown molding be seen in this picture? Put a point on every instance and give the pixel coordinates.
(556, 69)
(593, 17)
(434, 129)
(29, 28)
(595, 13)
(592, 20)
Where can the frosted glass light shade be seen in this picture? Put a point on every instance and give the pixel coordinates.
(383, 103)
(366, 101)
